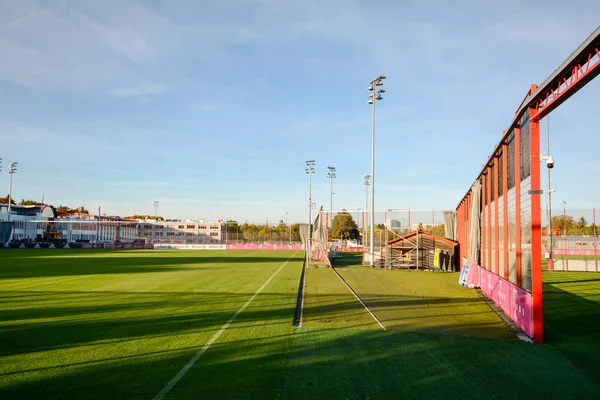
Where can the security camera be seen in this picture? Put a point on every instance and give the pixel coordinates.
(550, 162)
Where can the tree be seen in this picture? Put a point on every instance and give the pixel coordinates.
(4, 200)
(344, 227)
(24, 202)
(559, 223)
(581, 227)
(439, 230)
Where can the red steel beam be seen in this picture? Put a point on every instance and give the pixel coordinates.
(536, 232)
(573, 74)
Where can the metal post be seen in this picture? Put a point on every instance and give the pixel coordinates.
(373, 97)
(549, 211)
(12, 168)
(566, 259)
(367, 183)
(331, 176)
(9, 196)
(595, 241)
(372, 236)
(309, 170)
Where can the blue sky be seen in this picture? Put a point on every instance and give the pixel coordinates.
(212, 107)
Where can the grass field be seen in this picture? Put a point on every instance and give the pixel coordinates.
(122, 324)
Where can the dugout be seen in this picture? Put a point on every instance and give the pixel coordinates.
(421, 250)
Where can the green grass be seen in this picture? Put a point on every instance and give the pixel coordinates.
(425, 301)
(121, 324)
(572, 317)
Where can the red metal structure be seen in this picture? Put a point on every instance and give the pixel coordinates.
(510, 212)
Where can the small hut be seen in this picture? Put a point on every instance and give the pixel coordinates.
(421, 250)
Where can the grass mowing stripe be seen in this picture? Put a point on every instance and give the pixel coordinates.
(360, 300)
(189, 365)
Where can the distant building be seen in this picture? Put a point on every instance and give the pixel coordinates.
(40, 223)
(186, 231)
(24, 219)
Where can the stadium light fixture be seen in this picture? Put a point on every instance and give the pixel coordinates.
(375, 95)
(12, 168)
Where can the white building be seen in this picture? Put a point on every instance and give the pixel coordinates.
(186, 231)
(24, 220)
(40, 223)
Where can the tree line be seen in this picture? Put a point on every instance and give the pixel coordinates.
(579, 227)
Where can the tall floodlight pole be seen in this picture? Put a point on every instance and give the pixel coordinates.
(310, 164)
(367, 184)
(331, 176)
(375, 95)
(12, 168)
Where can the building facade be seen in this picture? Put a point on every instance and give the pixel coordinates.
(40, 223)
(186, 231)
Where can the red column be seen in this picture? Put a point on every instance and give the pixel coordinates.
(536, 231)
(490, 255)
(496, 227)
(518, 203)
(483, 258)
(505, 200)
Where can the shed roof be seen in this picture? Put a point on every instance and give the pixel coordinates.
(429, 234)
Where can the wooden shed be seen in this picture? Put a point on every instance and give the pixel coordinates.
(421, 250)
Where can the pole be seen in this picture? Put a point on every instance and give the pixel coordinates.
(309, 170)
(330, 196)
(565, 237)
(367, 183)
(10, 195)
(595, 241)
(310, 205)
(549, 210)
(372, 235)
(363, 230)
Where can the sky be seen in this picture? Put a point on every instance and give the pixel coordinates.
(212, 107)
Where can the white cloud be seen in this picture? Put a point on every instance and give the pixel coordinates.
(147, 89)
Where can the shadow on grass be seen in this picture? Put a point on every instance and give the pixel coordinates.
(259, 356)
(324, 364)
(571, 322)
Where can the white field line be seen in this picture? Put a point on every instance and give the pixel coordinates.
(360, 300)
(189, 365)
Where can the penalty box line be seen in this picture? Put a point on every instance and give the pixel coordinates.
(189, 365)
